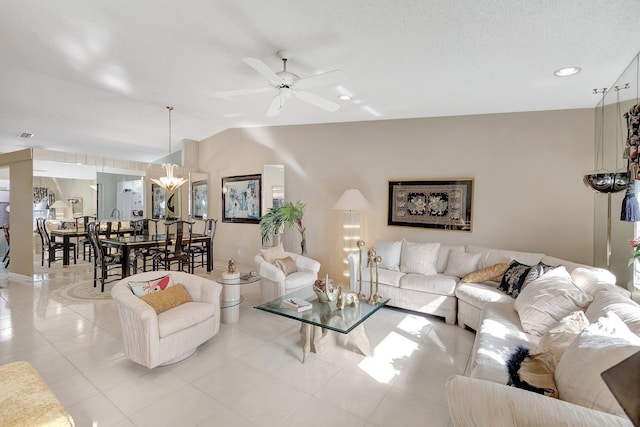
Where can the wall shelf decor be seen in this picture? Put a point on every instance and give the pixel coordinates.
(444, 204)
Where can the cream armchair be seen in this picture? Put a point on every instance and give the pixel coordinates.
(152, 339)
(273, 281)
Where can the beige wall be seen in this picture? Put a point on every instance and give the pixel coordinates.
(527, 169)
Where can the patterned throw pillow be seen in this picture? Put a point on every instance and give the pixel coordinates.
(168, 298)
(514, 278)
(150, 286)
(518, 276)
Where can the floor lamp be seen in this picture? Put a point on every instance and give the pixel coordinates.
(351, 202)
(58, 206)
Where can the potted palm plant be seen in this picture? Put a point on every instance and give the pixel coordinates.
(273, 222)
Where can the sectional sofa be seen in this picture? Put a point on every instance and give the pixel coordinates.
(452, 281)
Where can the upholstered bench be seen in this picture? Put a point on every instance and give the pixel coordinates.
(26, 400)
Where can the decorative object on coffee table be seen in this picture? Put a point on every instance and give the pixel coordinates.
(360, 245)
(346, 298)
(232, 271)
(326, 289)
(374, 298)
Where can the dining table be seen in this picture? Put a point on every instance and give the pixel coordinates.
(66, 234)
(128, 243)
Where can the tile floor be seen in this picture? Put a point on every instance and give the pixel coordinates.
(250, 374)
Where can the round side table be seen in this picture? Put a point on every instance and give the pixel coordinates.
(231, 298)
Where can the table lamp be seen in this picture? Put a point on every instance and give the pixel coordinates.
(57, 206)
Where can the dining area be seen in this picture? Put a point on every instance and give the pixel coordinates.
(118, 249)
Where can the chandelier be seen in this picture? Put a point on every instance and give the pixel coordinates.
(169, 182)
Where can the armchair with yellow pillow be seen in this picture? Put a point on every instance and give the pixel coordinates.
(166, 315)
(281, 272)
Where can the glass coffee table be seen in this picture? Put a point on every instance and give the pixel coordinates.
(324, 324)
(231, 298)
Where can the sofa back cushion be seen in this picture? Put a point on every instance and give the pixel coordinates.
(390, 254)
(461, 263)
(606, 299)
(443, 255)
(546, 300)
(419, 257)
(496, 256)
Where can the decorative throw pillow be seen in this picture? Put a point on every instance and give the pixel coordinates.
(461, 263)
(557, 339)
(167, 299)
(287, 265)
(419, 257)
(149, 286)
(493, 272)
(600, 346)
(390, 254)
(514, 278)
(546, 300)
(533, 372)
(272, 254)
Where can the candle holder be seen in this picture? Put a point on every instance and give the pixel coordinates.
(371, 254)
(360, 245)
(374, 298)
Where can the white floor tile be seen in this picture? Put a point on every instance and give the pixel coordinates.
(318, 413)
(95, 411)
(401, 409)
(230, 381)
(184, 407)
(270, 402)
(353, 392)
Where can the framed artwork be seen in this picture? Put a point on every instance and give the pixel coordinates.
(161, 208)
(199, 199)
(440, 204)
(241, 199)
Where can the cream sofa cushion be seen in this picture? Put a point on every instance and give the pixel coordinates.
(461, 263)
(600, 346)
(496, 256)
(605, 300)
(435, 284)
(390, 254)
(546, 300)
(419, 257)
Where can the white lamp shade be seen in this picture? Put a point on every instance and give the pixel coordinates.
(352, 200)
(59, 204)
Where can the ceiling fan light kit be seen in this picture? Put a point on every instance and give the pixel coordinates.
(288, 85)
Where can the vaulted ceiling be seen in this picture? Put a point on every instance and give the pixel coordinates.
(95, 76)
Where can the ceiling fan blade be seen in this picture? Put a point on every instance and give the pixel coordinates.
(231, 93)
(263, 69)
(325, 104)
(326, 79)
(276, 106)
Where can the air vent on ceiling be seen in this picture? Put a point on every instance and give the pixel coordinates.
(26, 135)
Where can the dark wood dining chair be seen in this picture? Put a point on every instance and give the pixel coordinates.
(177, 247)
(49, 245)
(200, 250)
(7, 236)
(82, 222)
(104, 264)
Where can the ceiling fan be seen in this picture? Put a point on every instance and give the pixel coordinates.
(288, 84)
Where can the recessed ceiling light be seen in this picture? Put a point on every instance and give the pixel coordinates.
(567, 71)
(344, 98)
(26, 135)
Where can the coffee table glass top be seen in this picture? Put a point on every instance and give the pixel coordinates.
(323, 314)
